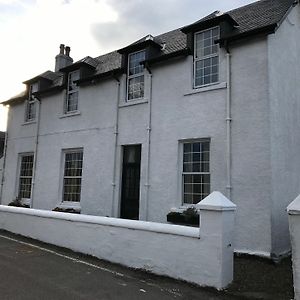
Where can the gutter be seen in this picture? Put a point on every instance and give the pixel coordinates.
(56, 88)
(262, 30)
(36, 143)
(4, 163)
(93, 78)
(165, 57)
(116, 133)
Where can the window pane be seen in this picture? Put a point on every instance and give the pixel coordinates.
(136, 87)
(197, 198)
(188, 188)
(188, 198)
(72, 93)
(204, 167)
(205, 146)
(31, 111)
(187, 167)
(188, 178)
(72, 101)
(197, 188)
(206, 57)
(134, 63)
(187, 147)
(196, 167)
(196, 147)
(187, 157)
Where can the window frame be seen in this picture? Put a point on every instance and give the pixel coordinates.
(64, 153)
(20, 163)
(195, 60)
(30, 115)
(129, 77)
(182, 172)
(71, 92)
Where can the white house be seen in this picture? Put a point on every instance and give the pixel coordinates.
(158, 125)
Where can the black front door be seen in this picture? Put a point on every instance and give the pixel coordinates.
(131, 182)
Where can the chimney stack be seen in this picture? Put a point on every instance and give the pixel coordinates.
(63, 59)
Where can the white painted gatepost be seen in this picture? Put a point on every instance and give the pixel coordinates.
(294, 225)
(203, 256)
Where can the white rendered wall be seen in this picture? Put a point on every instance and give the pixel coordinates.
(284, 89)
(20, 139)
(202, 257)
(251, 170)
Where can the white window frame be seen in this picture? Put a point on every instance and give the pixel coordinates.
(25, 200)
(66, 202)
(182, 172)
(75, 90)
(134, 76)
(31, 102)
(196, 59)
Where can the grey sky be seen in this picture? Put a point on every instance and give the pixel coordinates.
(138, 18)
(31, 30)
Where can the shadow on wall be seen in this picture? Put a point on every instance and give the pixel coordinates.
(2, 139)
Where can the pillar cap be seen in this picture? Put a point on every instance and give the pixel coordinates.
(294, 207)
(216, 201)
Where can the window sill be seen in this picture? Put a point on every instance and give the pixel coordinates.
(29, 122)
(26, 201)
(133, 102)
(217, 86)
(71, 114)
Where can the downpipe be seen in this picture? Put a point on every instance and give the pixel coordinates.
(228, 125)
(4, 161)
(36, 143)
(116, 132)
(149, 128)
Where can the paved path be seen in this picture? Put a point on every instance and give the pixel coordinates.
(32, 270)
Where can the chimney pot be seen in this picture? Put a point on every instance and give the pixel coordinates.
(68, 49)
(62, 49)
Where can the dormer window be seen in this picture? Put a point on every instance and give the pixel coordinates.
(206, 57)
(31, 103)
(135, 75)
(71, 104)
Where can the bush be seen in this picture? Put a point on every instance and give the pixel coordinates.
(189, 216)
(18, 203)
(66, 210)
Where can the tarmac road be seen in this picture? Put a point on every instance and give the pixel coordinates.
(33, 270)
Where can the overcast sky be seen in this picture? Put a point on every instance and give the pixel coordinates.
(31, 30)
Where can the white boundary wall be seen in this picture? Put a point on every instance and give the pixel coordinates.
(294, 226)
(202, 256)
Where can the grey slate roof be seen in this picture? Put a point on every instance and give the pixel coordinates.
(260, 14)
(108, 62)
(46, 75)
(86, 60)
(249, 18)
